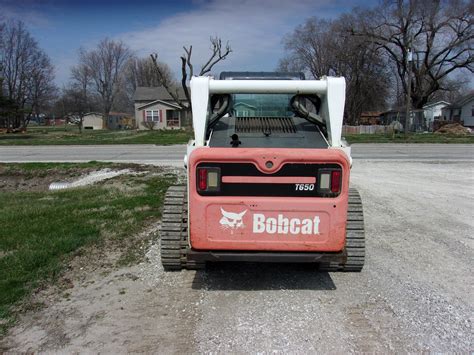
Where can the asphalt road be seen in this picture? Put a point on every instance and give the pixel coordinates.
(173, 155)
(413, 296)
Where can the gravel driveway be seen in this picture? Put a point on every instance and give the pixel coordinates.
(415, 293)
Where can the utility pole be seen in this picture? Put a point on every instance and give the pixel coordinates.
(407, 113)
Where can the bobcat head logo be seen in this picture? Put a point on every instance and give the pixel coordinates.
(232, 220)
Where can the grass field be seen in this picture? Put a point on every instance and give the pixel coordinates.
(69, 135)
(41, 230)
(410, 138)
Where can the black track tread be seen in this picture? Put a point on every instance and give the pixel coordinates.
(174, 231)
(355, 237)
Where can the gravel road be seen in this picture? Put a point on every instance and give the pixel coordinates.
(415, 293)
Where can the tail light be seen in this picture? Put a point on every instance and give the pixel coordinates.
(329, 181)
(202, 179)
(208, 179)
(335, 181)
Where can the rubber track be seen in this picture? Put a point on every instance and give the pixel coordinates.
(355, 237)
(174, 231)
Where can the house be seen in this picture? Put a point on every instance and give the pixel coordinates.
(156, 109)
(272, 105)
(420, 119)
(433, 111)
(93, 121)
(462, 111)
(243, 109)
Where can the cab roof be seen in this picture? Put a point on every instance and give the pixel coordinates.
(261, 75)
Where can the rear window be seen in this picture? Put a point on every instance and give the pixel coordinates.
(261, 105)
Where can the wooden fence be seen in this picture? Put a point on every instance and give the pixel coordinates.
(373, 129)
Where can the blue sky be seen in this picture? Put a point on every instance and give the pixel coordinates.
(254, 28)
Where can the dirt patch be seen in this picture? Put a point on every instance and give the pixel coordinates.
(454, 129)
(111, 293)
(22, 183)
(97, 307)
(13, 177)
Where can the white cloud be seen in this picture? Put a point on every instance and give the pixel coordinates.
(25, 11)
(254, 30)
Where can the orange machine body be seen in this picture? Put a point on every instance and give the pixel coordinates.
(267, 223)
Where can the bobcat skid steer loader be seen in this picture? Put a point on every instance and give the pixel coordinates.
(267, 176)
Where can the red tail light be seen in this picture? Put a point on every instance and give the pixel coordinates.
(335, 181)
(208, 179)
(202, 179)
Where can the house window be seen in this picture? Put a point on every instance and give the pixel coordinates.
(152, 116)
(472, 111)
(172, 118)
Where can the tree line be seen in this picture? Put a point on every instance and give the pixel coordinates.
(375, 49)
(370, 47)
(104, 79)
(26, 76)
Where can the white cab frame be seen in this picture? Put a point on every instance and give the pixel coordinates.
(331, 90)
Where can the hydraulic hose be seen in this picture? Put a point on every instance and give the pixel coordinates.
(224, 101)
(303, 112)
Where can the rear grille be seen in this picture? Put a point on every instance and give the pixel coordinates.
(282, 125)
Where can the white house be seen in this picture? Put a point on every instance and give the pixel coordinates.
(243, 109)
(461, 111)
(156, 109)
(93, 120)
(432, 111)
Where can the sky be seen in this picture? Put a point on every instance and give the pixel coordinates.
(253, 28)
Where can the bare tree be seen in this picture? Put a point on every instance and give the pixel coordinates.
(149, 125)
(78, 96)
(76, 105)
(141, 72)
(321, 47)
(452, 88)
(81, 79)
(440, 33)
(27, 74)
(105, 65)
(40, 85)
(8, 107)
(219, 52)
(308, 49)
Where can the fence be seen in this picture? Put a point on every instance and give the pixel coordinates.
(373, 129)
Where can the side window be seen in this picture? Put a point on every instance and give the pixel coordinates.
(173, 118)
(152, 116)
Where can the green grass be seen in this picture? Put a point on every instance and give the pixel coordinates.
(410, 138)
(69, 135)
(40, 231)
